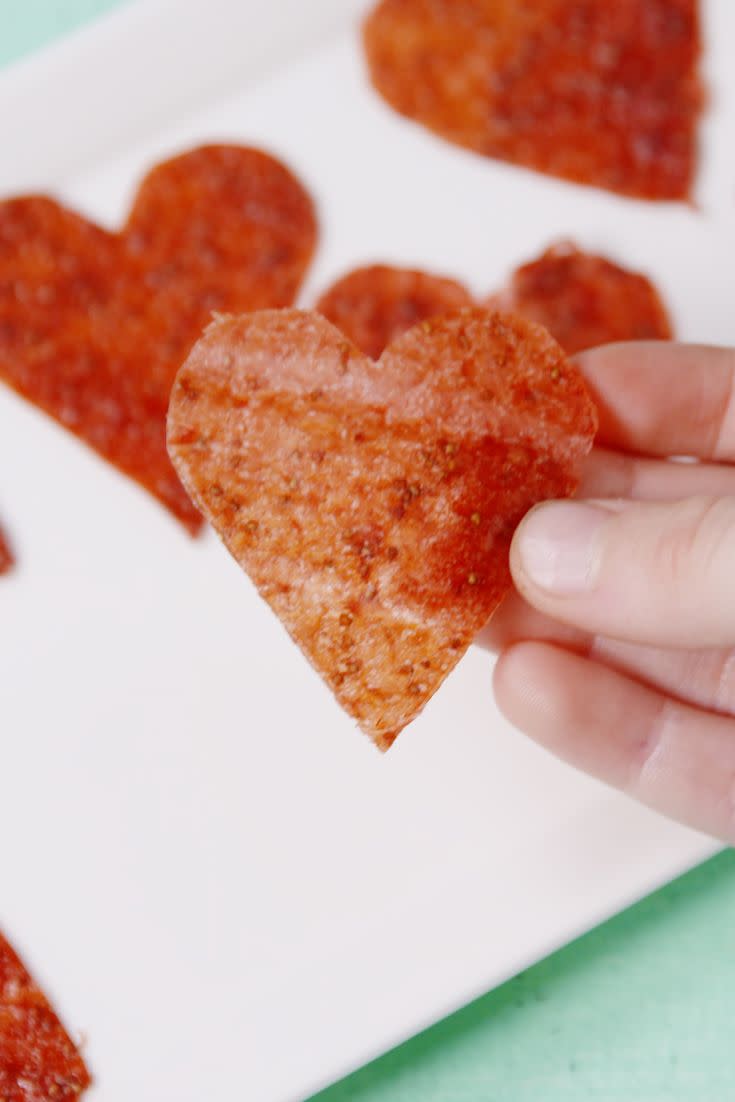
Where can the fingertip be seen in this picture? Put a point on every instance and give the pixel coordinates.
(503, 673)
(517, 546)
(554, 697)
(506, 681)
(518, 680)
(556, 551)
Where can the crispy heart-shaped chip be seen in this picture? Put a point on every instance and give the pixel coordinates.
(374, 305)
(585, 300)
(38, 1061)
(94, 325)
(6, 555)
(601, 92)
(373, 504)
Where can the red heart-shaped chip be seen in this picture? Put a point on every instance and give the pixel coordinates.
(38, 1061)
(585, 300)
(373, 504)
(602, 92)
(94, 325)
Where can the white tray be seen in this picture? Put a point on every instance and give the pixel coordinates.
(219, 881)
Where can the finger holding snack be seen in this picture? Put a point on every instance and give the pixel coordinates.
(617, 652)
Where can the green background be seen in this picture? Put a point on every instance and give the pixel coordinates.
(642, 1009)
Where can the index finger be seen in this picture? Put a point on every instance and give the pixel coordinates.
(661, 398)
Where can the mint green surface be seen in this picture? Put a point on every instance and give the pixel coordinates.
(27, 24)
(641, 1010)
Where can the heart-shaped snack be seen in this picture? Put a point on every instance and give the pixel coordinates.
(585, 300)
(373, 504)
(94, 325)
(374, 305)
(600, 92)
(38, 1061)
(6, 555)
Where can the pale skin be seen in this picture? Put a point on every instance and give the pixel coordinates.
(617, 650)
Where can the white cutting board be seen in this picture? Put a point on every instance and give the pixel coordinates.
(219, 881)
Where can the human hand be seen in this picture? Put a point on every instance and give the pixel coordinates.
(618, 649)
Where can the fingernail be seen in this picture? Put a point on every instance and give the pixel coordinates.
(559, 546)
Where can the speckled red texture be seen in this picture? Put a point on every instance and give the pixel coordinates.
(38, 1061)
(94, 325)
(373, 504)
(598, 92)
(585, 300)
(374, 305)
(6, 555)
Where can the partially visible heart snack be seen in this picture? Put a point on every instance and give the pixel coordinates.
(94, 325)
(374, 305)
(38, 1060)
(6, 555)
(601, 92)
(585, 300)
(373, 504)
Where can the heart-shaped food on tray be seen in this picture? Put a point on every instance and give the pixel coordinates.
(584, 300)
(94, 325)
(38, 1060)
(373, 503)
(601, 92)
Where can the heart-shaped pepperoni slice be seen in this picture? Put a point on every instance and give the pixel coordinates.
(94, 325)
(598, 92)
(374, 305)
(585, 300)
(38, 1061)
(373, 504)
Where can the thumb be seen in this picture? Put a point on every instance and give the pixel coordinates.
(660, 574)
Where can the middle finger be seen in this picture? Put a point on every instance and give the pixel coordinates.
(705, 678)
(612, 474)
